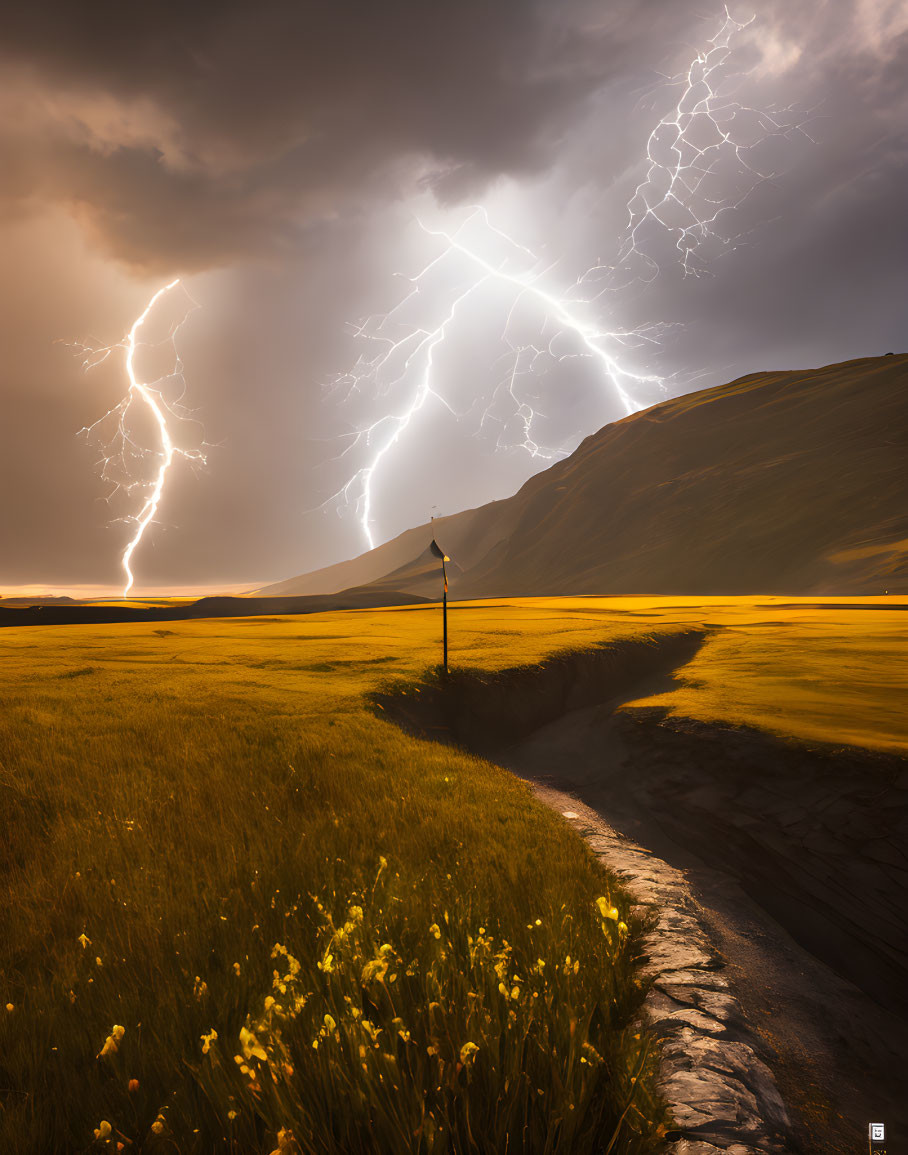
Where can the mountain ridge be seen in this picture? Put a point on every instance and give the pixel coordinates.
(787, 481)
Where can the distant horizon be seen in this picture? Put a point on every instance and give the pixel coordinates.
(115, 593)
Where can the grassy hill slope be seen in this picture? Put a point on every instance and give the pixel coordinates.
(783, 482)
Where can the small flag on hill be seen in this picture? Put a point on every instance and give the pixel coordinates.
(438, 552)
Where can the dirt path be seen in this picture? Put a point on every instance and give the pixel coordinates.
(838, 1057)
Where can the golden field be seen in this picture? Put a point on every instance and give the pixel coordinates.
(248, 914)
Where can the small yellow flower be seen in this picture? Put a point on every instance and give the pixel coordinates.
(98, 961)
(330, 1023)
(103, 1130)
(10, 1007)
(84, 940)
(435, 930)
(158, 1126)
(467, 1052)
(236, 967)
(252, 1049)
(207, 1040)
(231, 1115)
(606, 909)
(133, 1085)
(118, 1032)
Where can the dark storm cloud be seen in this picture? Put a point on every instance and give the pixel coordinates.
(183, 137)
(190, 133)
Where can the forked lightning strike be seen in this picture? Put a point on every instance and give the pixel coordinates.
(708, 138)
(704, 144)
(122, 450)
(410, 356)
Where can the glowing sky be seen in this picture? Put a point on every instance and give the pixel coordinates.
(276, 157)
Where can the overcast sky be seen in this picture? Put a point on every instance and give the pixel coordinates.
(295, 162)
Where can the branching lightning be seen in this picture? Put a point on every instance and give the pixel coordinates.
(705, 142)
(122, 454)
(701, 161)
(402, 353)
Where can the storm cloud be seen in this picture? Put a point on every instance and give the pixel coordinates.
(269, 151)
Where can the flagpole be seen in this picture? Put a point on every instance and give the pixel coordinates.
(444, 610)
(436, 551)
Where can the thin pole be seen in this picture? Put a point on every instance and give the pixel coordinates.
(444, 605)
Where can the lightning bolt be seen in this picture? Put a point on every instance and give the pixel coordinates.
(404, 352)
(708, 140)
(701, 165)
(122, 451)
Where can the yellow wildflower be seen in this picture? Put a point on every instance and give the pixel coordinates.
(435, 930)
(606, 909)
(84, 940)
(401, 1029)
(251, 1046)
(330, 1023)
(10, 1007)
(231, 1115)
(158, 1125)
(207, 1040)
(103, 1130)
(467, 1052)
(110, 1047)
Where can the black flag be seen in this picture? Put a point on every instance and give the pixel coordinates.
(439, 552)
(436, 551)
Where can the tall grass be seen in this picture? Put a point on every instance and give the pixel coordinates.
(243, 914)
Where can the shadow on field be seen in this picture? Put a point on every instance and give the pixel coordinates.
(810, 835)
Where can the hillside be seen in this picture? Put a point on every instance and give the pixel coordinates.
(779, 482)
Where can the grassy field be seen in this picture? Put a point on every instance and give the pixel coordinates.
(247, 914)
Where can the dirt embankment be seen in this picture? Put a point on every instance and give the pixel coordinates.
(815, 835)
(486, 712)
(784, 841)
